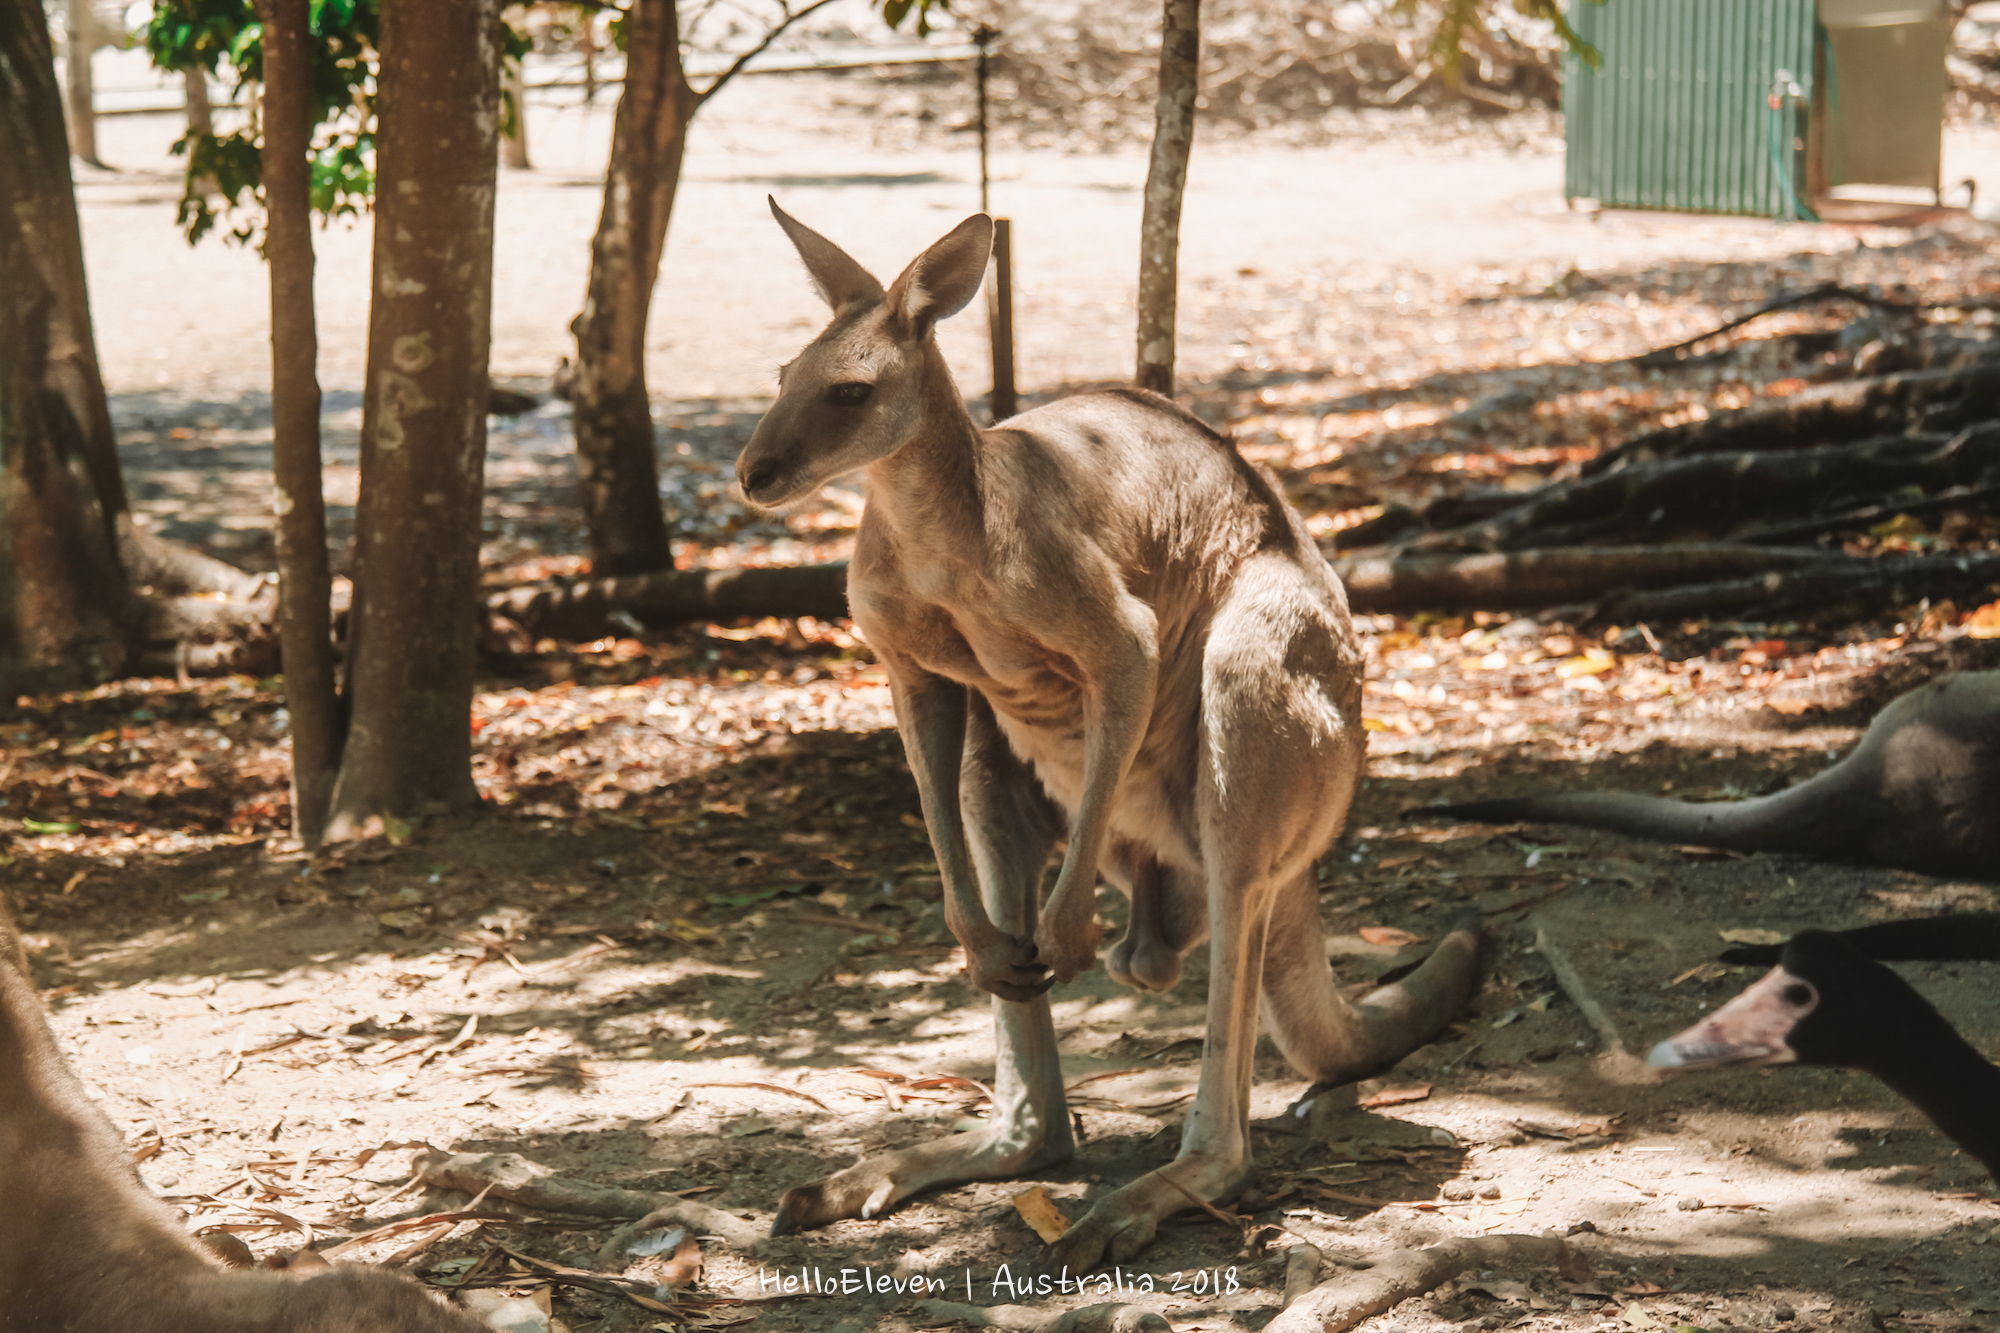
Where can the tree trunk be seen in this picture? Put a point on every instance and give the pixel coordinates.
(618, 465)
(200, 115)
(423, 430)
(1166, 181)
(514, 143)
(79, 41)
(62, 592)
(304, 574)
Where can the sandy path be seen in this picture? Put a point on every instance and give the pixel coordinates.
(732, 304)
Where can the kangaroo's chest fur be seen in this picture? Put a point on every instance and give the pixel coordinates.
(1090, 503)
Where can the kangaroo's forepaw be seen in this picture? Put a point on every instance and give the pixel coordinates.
(1008, 967)
(1066, 954)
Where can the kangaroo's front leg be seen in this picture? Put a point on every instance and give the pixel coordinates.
(1121, 672)
(1012, 829)
(931, 714)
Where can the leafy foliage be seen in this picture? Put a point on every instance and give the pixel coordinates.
(895, 11)
(1461, 22)
(225, 172)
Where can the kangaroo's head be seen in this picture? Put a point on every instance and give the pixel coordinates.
(858, 392)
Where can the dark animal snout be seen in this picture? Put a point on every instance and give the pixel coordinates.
(760, 476)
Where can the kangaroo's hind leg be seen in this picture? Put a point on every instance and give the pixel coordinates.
(1012, 827)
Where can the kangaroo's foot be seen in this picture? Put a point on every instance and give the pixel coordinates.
(876, 1184)
(1124, 1221)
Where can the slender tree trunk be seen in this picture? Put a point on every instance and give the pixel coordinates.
(423, 431)
(304, 576)
(1166, 180)
(514, 143)
(613, 416)
(200, 114)
(79, 41)
(63, 597)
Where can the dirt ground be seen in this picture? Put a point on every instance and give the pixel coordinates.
(694, 944)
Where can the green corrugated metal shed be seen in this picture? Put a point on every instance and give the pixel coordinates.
(1679, 113)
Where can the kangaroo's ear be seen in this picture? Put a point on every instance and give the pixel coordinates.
(940, 281)
(833, 271)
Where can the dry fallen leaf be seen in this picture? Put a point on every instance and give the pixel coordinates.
(1038, 1210)
(1396, 1094)
(1389, 936)
(1751, 936)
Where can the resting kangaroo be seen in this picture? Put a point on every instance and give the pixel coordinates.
(1097, 610)
(1921, 792)
(85, 1249)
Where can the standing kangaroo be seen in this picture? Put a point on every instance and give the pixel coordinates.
(1099, 610)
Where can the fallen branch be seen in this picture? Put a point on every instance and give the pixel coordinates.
(585, 608)
(1881, 511)
(518, 1180)
(1533, 580)
(1826, 291)
(1930, 400)
(1107, 1318)
(1838, 586)
(1345, 1301)
(1714, 493)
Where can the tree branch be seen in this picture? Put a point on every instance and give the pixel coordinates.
(757, 50)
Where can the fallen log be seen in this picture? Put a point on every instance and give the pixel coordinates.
(1925, 400)
(584, 608)
(1715, 493)
(1344, 1301)
(1840, 587)
(170, 569)
(1864, 516)
(1536, 580)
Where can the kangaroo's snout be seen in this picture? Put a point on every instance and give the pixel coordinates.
(758, 477)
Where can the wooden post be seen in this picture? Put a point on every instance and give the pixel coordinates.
(79, 40)
(514, 141)
(1002, 320)
(999, 296)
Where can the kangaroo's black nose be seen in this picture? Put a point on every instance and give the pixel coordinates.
(760, 477)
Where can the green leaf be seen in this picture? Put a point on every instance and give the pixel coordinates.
(205, 896)
(37, 826)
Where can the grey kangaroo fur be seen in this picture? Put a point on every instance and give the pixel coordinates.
(1921, 792)
(1101, 626)
(85, 1249)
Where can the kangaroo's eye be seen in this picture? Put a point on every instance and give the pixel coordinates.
(851, 394)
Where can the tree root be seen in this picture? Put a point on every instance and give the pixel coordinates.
(1302, 1265)
(518, 1180)
(1107, 1318)
(1346, 1300)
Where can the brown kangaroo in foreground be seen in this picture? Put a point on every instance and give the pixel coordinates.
(1099, 609)
(85, 1249)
